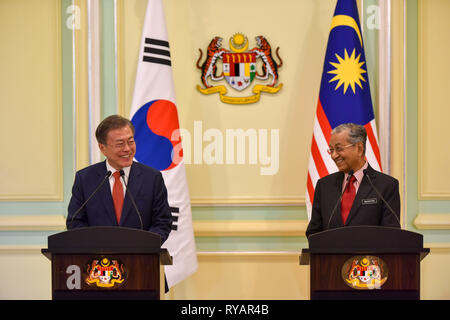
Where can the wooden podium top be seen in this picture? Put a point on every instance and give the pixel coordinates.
(364, 240)
(106, 240)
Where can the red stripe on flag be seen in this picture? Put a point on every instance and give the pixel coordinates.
(320, 165)
(373, 143)
(323, 121)
(310, 187)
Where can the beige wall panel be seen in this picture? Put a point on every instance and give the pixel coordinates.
(301, 34)
(30, 91)
(434, 45)
(26, 274)
(246, 276)
(434, 279)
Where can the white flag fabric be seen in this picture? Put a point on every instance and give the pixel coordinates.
(155, 117)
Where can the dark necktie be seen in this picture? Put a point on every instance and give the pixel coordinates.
(347, 199)
(117, 195)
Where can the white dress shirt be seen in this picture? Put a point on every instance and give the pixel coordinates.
(126, 170)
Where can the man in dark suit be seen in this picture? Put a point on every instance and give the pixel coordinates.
(112, 205)
(364, 206)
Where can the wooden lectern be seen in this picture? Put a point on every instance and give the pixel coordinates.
(106, 263)
(364, 262)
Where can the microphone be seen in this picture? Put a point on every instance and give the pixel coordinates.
(350, 173)
(108, 174)
(122, 174)
(382, 198)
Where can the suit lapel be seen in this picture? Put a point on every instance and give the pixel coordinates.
(133, 185)
(106, 195)
(336, 220)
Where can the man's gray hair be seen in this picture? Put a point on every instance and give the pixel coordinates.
(356, 133)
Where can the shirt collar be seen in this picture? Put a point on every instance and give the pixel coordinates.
(359, 175)
(126, 170)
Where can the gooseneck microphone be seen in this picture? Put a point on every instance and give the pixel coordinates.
(350, 173)
(382, 198)
(108, 174)
(122, 174)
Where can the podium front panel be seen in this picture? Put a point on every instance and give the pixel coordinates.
(327, 282)
(105, 276)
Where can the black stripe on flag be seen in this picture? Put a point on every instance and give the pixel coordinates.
(157, 60)
(158, 55)
(174, 209)
(175, 213)
(157, 51)
(157, 42)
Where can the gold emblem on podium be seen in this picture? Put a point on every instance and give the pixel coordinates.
(106, 273)
(365, 272)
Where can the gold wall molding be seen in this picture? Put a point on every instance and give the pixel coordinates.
(120, 55)
(247, 201)
(288, 201)
(436, 247)
(81, 89)
(218, 254)
(398, 106)
(432, 221)
(33, 223)
(22, 249)
(250, 228)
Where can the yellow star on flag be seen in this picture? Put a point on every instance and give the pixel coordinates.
(348, 71)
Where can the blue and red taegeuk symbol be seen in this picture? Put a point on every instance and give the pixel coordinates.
(154, 123)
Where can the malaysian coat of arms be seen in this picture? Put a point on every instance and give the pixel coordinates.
(106, 273)
(365, 272)
(239, 68)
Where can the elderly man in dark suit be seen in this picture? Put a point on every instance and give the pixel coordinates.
(360, 204)
(116, 183)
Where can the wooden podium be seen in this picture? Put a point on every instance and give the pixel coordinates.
(364, 262)
(106, 263)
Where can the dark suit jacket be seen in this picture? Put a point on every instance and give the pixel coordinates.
(367, 209)
(146, 186)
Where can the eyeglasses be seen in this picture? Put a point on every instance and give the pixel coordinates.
(121, 145)
(339, 149)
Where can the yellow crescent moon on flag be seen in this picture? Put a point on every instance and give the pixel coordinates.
(342, 20)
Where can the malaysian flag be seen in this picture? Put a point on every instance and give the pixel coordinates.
(344, 95)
